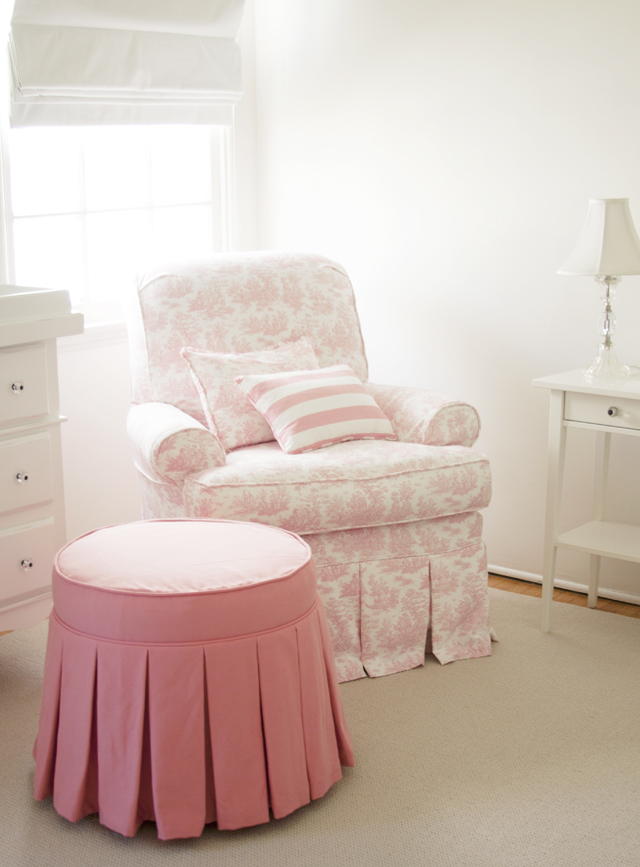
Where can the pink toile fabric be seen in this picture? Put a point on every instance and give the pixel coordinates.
(393, 593)
(394, 525)
(425, 417)
(169, 445)
(240, 303)
(365, 483)
(189, 678)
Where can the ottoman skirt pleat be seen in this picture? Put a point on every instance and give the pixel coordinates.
(318, 725)
(74, 776)
(121, 699)
(235, 723)
(44, 749)
(284, 742)
(183, 734)
(177, 737)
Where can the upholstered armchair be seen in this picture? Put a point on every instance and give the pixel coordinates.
(394, 525)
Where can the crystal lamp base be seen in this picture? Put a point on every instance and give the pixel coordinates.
(607, 366)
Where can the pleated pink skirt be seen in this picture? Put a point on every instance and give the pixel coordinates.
(189, 678)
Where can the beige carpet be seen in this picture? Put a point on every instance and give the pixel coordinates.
(530, 757)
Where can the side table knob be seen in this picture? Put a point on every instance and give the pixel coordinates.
(613, 410)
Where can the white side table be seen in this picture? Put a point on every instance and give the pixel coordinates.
(605, 406)
(32, 519)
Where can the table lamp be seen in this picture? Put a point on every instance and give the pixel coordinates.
(608, 249)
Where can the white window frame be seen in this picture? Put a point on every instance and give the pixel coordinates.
(113, 325)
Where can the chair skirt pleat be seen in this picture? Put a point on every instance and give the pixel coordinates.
(460, 605)
(185, 734)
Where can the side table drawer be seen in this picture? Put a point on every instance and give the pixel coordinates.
(594, 409)
(23, 383)
(26, 558)
(25, 472)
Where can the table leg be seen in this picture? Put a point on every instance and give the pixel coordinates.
(600, 476)
(594, 579)
(555, 469)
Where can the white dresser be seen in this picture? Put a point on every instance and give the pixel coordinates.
(32, 517)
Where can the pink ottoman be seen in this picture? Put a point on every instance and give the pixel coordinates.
(189, 678)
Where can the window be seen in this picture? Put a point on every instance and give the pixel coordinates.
(91, 206)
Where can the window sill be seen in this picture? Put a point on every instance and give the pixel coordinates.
(95, 334)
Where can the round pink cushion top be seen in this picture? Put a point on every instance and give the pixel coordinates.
(183, 580)
(182, 556)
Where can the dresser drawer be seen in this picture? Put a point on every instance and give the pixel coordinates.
(25, 472)
(595, 409)
(26, 558)
(23, 383)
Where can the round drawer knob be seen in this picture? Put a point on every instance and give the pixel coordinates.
(613, 410)
(17, 387)
(27, 564)
(23, 478)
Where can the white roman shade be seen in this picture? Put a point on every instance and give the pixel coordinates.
(124, 61)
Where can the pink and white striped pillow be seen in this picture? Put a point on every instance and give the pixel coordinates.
(310, 409)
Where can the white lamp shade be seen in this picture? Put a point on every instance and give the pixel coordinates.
(609, 245)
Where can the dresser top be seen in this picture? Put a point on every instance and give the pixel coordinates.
(15, 333)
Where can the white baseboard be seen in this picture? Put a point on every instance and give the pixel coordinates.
(617, 595)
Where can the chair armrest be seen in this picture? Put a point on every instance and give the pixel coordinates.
(169, 445)
(425, 417)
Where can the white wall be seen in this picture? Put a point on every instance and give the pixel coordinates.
(101, 485)
(445, 153)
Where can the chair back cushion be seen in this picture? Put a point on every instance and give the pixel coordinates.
(236, 303)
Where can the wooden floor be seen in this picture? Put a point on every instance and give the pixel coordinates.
(514, 585)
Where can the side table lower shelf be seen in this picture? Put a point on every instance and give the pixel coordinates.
(604, 538)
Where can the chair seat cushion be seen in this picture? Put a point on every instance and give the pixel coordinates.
(364, 483)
